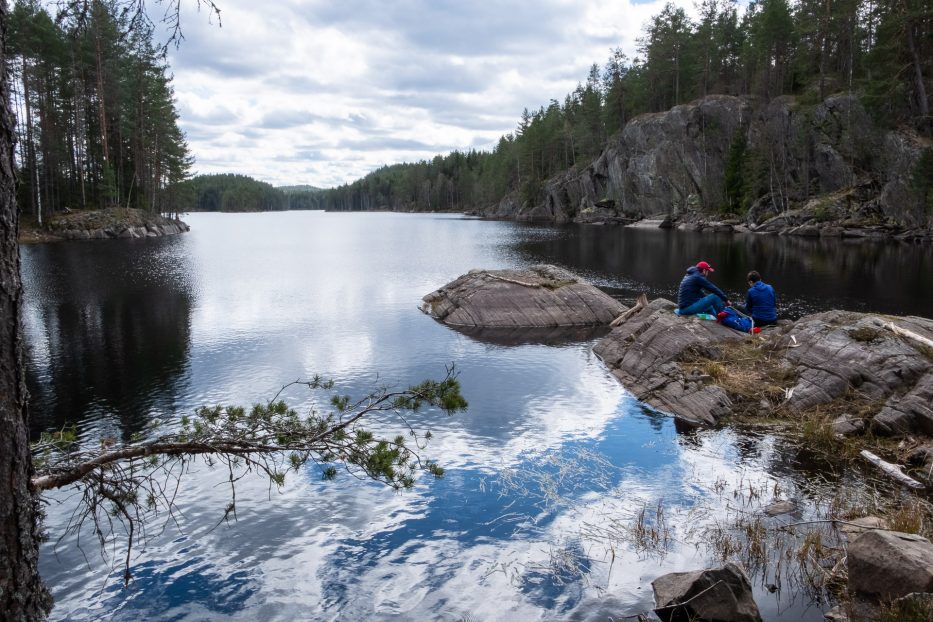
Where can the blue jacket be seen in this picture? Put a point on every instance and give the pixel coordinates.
(760, 302)
(693, 286)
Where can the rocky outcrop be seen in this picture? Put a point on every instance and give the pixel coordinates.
(839, 354)
(543, 296)
(113, 223)
(880, 366)
(661, 166)
(714, 595)
(819, 169)
(890, 564)
(644, 354)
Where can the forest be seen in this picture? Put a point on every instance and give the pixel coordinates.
(881, 51)
(241, 193)
(96, 121)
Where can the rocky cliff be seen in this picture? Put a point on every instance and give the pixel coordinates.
(808, 164)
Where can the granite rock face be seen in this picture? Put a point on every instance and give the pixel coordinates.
(643, 355)
(839, 354)
(715, 595)
(543, 296)
(839, 170)
(833, 356)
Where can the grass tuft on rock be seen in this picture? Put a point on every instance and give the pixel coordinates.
(866, 334)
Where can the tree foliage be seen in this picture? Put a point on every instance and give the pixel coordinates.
(230, 193)
(97, 124)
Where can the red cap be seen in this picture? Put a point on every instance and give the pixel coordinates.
(705, 266)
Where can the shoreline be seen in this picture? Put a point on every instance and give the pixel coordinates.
(827, 230)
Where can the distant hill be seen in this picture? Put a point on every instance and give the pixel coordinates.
(242, 193)
(232, 193)
(299, 188)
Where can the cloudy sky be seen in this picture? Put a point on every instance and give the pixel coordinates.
(321, 92)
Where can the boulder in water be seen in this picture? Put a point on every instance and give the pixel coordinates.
(706, 595)
(542, 296)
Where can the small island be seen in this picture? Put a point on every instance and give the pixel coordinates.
(103, 224)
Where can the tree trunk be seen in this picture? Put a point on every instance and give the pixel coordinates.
(30, 147)
(22, 593)
(923, 105)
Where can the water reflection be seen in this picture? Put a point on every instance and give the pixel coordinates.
(809, 274)
(109, 331)
(552, 336)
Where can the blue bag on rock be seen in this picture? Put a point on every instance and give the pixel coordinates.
(731, 318)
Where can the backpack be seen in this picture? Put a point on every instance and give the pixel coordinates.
(731, 318)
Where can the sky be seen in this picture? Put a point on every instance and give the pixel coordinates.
(322, 92)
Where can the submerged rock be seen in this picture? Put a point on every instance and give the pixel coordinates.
(780, 507)
(706, 595)
(543, 296)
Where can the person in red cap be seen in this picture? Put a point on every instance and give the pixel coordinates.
(697, 294)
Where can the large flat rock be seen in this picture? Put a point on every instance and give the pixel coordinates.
(542, 296)
(643, 354)
(875, 358)
(834, 357)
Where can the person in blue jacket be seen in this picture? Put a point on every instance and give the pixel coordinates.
(760, 303)
(697, 294)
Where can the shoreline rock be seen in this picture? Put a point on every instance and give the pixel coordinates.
(706, 595)
(112, 223)
(877, 370)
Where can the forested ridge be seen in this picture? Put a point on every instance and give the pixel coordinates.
(879, 52)
(241, 193)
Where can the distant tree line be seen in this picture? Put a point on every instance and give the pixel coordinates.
(96, 121)
(882, 50)
(241, 193)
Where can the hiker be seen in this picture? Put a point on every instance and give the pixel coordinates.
(760, 301)
(691, 298)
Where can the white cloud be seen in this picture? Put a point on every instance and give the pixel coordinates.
(319, 92)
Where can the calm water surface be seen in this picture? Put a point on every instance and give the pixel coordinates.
(546, 473)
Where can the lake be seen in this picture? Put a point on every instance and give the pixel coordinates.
(548, 474)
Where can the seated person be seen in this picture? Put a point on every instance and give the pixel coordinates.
(760, 303)
(697, 294)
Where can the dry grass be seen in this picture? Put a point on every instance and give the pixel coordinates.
(748, 370)
(651, 533)
(814, 427)
(756, 379)
(911, 516)
(916, 610)
(865, 334)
